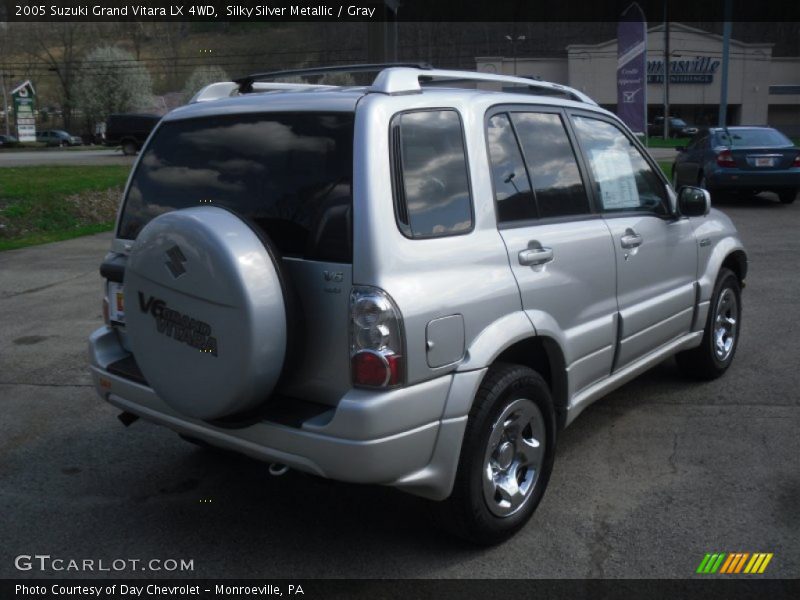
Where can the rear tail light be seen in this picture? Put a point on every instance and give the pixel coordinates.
(105, 310)
(725, 159)
(113, 304)
(796, 162)
(376, 339)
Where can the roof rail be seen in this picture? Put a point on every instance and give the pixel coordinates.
(403, 80)
(246, 83)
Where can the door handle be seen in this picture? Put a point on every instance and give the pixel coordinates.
(631, 239)
(535, 256)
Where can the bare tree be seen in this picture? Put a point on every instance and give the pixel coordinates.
(169, 37)
(59, 46)
(136, 33)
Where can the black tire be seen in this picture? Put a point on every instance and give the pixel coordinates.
(466, 512)
(129, 148)
(704, 362)
(716, 195)
(787, 196)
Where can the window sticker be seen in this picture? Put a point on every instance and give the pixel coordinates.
(614, 173)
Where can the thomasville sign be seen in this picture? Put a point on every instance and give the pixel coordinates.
(701, 69)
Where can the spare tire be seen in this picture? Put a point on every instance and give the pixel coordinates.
(207, 312)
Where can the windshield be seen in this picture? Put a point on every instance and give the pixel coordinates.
(760, 137)
(290, 173)
(678, 122)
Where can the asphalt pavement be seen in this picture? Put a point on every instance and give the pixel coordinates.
(64, 156)
(646, 481)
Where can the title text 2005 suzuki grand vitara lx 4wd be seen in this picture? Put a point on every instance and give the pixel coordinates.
(407, 283)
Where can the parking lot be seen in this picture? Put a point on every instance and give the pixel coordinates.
(646, 481)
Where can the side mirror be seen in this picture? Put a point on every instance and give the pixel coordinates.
(693, 201)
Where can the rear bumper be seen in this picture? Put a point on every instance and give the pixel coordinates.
(753, 180)
(399, 437)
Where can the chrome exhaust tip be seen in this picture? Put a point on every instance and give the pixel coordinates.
(277, 469)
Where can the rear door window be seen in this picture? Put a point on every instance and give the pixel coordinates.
(289, 173)
(431, 182)
(552, 165)
(512, 189)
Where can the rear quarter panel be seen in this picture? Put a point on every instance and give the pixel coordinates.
(428, 278)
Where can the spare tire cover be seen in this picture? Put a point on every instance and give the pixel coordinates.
(206, 312)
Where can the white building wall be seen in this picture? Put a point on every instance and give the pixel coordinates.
(752, 69)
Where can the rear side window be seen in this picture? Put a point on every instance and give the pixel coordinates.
(552, 165)
(289, 173)
(431, 184)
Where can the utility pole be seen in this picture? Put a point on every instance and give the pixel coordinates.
(5, 98)
(726, 42)
(666, 70)
(514, 41)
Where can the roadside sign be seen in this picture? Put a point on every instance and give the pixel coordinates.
(632, 69)
(24, 97)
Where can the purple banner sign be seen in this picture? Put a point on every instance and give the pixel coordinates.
(632, 69)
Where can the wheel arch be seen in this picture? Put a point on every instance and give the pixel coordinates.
(728, 253)
(513, 339)
(543, 355)
(736, 261)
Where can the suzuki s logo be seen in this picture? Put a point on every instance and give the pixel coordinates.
(175, 262)
(335, 276)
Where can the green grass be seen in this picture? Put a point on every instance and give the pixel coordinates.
(666, 166)
(657, 142)
(34, 208)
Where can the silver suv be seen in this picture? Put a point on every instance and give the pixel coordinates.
(410, 283)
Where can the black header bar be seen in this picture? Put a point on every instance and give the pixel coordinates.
(389, 10)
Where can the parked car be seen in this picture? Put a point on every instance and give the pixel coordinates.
(129, 131)
(740, 160)
(677, 128)
(58, 137)
(405, 285)
(8, 141)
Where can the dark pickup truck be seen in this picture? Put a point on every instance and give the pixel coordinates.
(129, 131)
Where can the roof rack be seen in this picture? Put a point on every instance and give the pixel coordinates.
(392, 79)
(405, 80)
(246, 83)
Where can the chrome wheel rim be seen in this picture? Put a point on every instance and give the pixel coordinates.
(513, 458)
(725, 324)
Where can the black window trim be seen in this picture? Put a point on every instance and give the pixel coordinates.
(669, 216)
(397, 175)
(576, 150)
